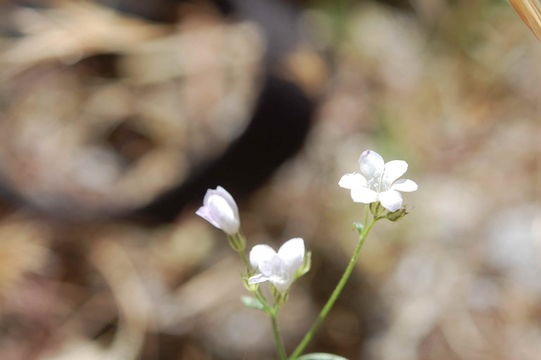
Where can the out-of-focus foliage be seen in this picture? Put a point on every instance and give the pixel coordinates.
(453, 87)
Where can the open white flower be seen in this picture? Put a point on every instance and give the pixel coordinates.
(220, 209)
(378, 181)
(279, 267)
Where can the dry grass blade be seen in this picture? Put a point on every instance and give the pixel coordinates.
(530, 12)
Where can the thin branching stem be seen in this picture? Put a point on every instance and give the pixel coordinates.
(336, 292)
(280, 349)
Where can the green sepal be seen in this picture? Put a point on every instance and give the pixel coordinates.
(237, 242)
(375, 208)
(396, 215)
(279, 297)
(321, 356)
(307, 263)
(247, 285)
(251, 302)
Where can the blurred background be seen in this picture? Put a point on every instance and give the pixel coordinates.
(116, 116)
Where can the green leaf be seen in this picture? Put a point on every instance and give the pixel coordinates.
(251, 302)
(359, 227)
(321, 356)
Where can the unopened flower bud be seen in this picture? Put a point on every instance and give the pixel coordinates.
(220, 209)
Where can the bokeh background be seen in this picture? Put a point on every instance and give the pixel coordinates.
(107, 106)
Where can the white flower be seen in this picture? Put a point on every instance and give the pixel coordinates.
(219, 209)
(377, 181)
(279, 267)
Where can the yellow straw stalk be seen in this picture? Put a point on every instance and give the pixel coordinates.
(530, 12)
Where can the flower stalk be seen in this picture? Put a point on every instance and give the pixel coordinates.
(238, 243)
(277, 337)
(337, 290)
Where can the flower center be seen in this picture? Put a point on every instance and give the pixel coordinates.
(377, 183)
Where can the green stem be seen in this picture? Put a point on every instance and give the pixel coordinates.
(259, 295)
(245, 261)
(336, 292)
(272, 312)
(366, 211)
(277, 338)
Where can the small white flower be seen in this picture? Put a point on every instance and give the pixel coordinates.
(377, 181)
(219, 209)
(279, 267)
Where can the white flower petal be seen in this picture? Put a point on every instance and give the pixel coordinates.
(349, 181)
(208, 194)
(256, 279)
(204, 212)
(274, 267)
(227, 196)
(405, 185)
(261, 254)
(393, 170)
(292, 254)
(223, 214)
(371, 164)
(391, 200)
(281, 283)
(363, 195)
